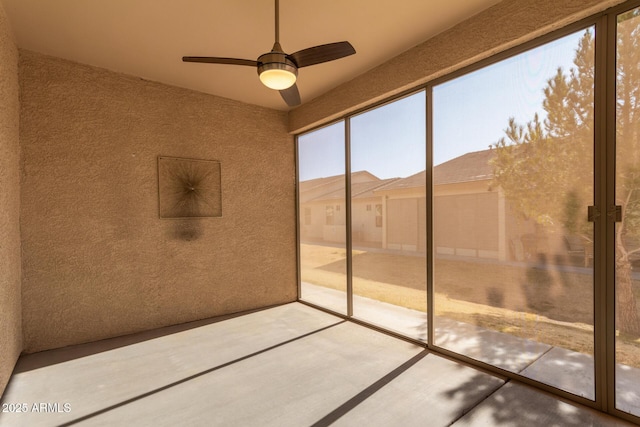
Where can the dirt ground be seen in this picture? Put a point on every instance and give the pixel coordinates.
(549, 304)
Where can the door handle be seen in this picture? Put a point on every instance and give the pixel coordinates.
(593, 213)
(616, 213)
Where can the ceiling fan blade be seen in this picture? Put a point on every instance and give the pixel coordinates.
(214, 60)
(322, 53)
(291, 96)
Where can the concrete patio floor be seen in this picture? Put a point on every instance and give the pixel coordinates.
(290, 365)
(555, 366)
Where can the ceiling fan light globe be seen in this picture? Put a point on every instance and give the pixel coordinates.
(276, 71)
(277, 79)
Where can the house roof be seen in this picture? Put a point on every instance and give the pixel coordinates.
(319, 182)
(470, 167)
(314, 188)
(414, 181)
(362, 191)
(474, 166)
(359, 190)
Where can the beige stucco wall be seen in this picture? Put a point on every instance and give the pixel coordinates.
(505, 25)
(97, 260)
(10, 303)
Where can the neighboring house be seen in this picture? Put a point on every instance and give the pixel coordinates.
(322, 207)
(367, 213)
(323, 211)
(404, 209)
(469, 214)
(472, 217)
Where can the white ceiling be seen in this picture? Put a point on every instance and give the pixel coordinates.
(147, 38)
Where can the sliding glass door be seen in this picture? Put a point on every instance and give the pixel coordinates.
(513, 177)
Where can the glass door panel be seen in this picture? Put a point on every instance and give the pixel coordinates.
(627, 238)
(388, 211)
(513, 176)
(322, 217)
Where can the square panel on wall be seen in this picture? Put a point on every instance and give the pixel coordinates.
(189, 188)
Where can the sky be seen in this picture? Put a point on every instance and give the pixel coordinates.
(470, 113)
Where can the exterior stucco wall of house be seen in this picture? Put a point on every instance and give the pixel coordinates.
(10, 269)
(313, 219)
(364, 227)
(467, 225)
(98, 260)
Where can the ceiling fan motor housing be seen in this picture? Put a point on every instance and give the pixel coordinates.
(276, 61)
(276, 70)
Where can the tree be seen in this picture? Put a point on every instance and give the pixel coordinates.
(546, 168)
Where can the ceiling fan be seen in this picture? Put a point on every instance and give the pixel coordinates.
(277, 69)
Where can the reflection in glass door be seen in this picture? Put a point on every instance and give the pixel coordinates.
(513, 251)
(388, 216)
(627, 237)
(322, 218)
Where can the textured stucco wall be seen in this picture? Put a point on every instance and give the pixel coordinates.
(97, 260)
(505, 25)
(10, 303)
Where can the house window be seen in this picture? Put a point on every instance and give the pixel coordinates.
(378, 216)
(329, 215)
(368, 208)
